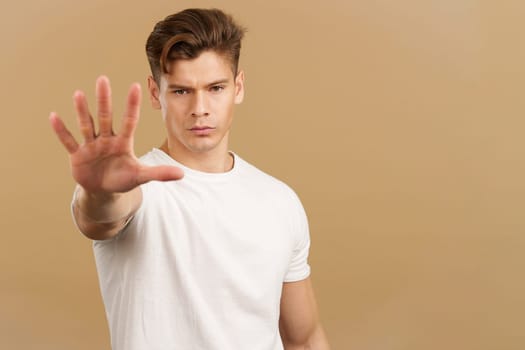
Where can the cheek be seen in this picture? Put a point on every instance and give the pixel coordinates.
(174, 109)
(223, 103)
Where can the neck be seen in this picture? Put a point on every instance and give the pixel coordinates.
(219, 161)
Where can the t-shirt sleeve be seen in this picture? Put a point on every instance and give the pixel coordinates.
(299, 268)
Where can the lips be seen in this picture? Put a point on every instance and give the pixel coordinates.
(201, 130)
(196, 128)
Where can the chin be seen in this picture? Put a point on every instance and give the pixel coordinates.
(201, 148)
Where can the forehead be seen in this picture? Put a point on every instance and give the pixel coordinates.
(207, 67)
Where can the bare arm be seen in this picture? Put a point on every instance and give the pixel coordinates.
(105, 167)
(299, 321)
(102, 216)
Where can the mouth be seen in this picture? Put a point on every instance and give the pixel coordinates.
(201, 127)
(201, 130)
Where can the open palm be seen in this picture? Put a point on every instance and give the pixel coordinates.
(105, 162)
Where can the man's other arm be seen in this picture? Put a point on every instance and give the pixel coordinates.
(299, 321)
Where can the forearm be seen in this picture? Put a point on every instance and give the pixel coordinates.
(101, 216)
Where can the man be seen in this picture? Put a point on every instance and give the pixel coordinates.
(195, 248)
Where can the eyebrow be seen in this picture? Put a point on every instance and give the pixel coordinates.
(180, 86)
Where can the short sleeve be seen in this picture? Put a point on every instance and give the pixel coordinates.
(299, 268)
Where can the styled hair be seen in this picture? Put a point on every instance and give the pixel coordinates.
(186, 34)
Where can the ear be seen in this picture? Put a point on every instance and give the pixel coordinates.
(154, 91)
(239, 87)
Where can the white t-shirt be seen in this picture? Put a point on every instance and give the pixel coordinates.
(202, 263)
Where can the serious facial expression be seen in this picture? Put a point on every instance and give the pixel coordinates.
(197, 100)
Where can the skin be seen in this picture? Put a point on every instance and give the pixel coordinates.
(201, 93)
(196, 102)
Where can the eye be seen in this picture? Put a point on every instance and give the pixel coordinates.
(217, 88)
(180, 92)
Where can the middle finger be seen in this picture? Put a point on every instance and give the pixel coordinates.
(103, 92)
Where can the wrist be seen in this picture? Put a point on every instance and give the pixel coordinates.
(99, 207)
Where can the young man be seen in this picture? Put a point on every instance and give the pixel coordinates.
(195, 248)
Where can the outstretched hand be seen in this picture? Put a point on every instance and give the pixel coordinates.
(105, 162)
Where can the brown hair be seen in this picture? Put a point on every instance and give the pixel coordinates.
(186, 34)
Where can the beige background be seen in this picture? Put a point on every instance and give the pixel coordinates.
(399, 123)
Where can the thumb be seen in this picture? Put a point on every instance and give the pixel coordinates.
(159, 173)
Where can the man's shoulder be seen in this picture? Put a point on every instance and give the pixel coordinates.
(264, 180)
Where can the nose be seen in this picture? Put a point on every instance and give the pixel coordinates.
(199, 107)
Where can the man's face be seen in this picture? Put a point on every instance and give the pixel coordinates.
(197, 100)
